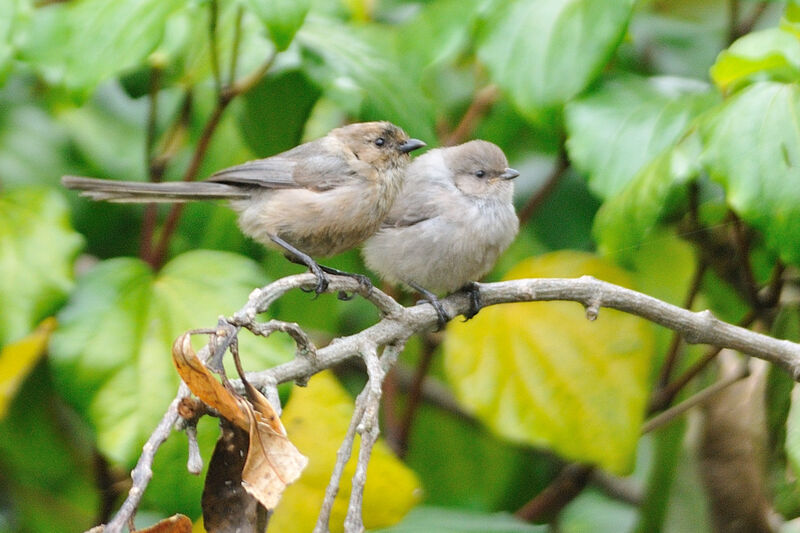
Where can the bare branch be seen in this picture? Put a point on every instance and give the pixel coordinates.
(143, 471)
(398, 323)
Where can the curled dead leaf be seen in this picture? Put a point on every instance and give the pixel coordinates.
(204, 385)
(273, 462)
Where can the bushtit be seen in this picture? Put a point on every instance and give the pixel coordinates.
(450, 222)
(317, 199)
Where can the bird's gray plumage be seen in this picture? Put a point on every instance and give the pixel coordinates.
(448, 225)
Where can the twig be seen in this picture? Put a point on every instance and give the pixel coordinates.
(665, 395)
(154, 173)
(399, 323)
(212, 39)
(662, 419)
(143, 472)
(237, 36)
(480, 105)
(553, 179)
(415, 393)
(672, 352)
(369, 429)
(225, 97)
(742, 243)
(402, 322)
(342, 456)
(546, 505)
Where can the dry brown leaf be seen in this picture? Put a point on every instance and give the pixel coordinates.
(174, 524)
(204, 385)
(267, 413)
(273, 462)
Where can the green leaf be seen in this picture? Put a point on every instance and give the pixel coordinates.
(544, 52)
(11, 22)
(772, 54)
(37, 246)
(47, 461)
(366, 69)
(282, 18)
(27, 163)
(540, 373)
(112, 351)
(591, 512)
(82, 43)
(752, 148)
(623, 223)
(452, 455)
(275, 111)
(443, 520)
(617, 129)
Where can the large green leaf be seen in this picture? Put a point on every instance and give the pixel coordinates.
(624, 222)
(47, 463)
(82, 43)
(541, 373)
(366, 69)
(452, 455)
(275, 111)
(767, 54)
(282, 18)
(617, 129)
(25, 163)
(13, 17)
(544, 52)
(112, 351)
(752, 148)
(37, 246)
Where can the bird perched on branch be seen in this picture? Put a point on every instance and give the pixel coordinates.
(317, 199)
(450, 222)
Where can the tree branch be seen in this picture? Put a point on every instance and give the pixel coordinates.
(398, 323)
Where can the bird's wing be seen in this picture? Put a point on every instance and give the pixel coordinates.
(310, 165)
(410, 213)
(270, 173)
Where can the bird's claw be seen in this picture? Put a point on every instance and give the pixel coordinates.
(475, 303)
(322, 281)
(442, 316)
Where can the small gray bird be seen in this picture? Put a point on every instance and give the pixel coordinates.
(450, 222)
(317, 199)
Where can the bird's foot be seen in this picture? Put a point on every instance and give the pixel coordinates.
(430, 298)
(296, 256)
(475, 303)
(363, 281)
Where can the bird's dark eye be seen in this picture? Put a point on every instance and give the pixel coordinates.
(380, 141)
(480, 173)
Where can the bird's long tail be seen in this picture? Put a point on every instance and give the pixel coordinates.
(140, 192)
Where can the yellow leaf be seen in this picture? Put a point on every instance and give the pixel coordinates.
(316, 418)
(541, 373)
(18, 359)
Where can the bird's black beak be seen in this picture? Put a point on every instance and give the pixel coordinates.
(509, 174)
(410, 145)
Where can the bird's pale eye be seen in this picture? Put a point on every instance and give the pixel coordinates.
(380, 141)
(480, 173)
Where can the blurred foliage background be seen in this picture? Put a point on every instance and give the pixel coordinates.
(659, 148)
